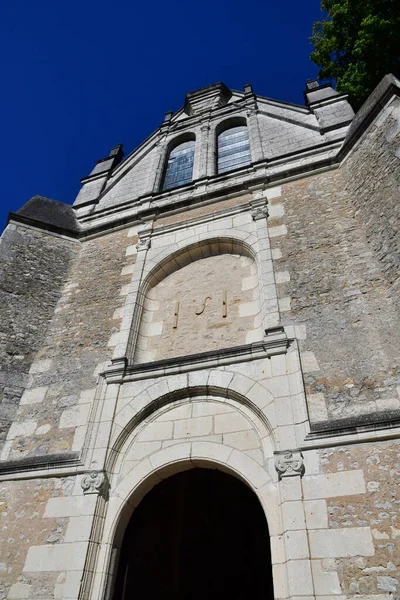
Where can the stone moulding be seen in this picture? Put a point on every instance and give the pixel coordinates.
(51, 462)
(275, 342)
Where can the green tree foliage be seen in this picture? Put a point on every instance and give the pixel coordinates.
(357, 44)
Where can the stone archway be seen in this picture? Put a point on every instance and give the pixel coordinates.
(198, 534)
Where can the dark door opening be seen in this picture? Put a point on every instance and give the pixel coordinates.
(198, 535)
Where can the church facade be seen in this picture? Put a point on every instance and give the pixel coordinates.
(200, 361)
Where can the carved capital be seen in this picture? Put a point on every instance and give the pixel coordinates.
(94, 482)
(289, 463)
(252, 112)
(143, 244)
(260, 212)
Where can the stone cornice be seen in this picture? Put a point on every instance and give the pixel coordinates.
(275, 342)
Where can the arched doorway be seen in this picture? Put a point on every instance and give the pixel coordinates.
(200, 534)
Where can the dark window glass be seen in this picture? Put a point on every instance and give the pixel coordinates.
(180, 166)
(233, 149)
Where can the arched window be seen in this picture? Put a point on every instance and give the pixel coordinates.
(233, 149)
(179, 166)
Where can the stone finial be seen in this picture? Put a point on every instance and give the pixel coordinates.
(248, 89)
(311, 84)
(168, 116)
(207, 98)
(94, 482)
(289, 463)
(143, 244)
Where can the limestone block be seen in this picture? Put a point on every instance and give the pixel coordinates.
(128, 269)
(287, 436)
(75, 416)
(284, 304)
(156, 431)
(309, 362)
(124, 290)
(278, 555)
(202, 451)
(293, 515)
(130, 251)
(55, 557)
(34, 395)
(296, 545)
(220, 378)
(283, 408)
(277, 231)
(282, 276)
(88, 395)
(243, 440)
(232, 422)
(278, 365)
(317, 407)
(205, 409)
(278, 386)
(316, 514)
(170, 455)
(276, 253)
(273, 192)
(290, 488)
(249, 283)
(249, 309)
(140, 450)
(78, 529)
(79, 438)
(248, 467)
(175, 414)
(70, 506)
(24, 428)
(349, 541)
(40, 366)
(331, 485)
(187, 428)
(280, 581)
(326, 582)
(300, 578)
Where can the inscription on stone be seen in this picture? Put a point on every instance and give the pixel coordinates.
(199, 311)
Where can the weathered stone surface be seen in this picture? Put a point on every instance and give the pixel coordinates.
(378, 508)
(33, 269)
(22, 506)
(340, 294)
(76, 342)
(372, 178)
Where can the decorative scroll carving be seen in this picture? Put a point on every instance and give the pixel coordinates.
(94, 482)
(289, 463)
(261, 212)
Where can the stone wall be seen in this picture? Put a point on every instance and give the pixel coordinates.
(77, 345)
(33, 268)
(334, 290)
(22, 525)
(377, 507)
(372, 178)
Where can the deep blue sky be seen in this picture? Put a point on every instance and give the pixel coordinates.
(80, 77)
